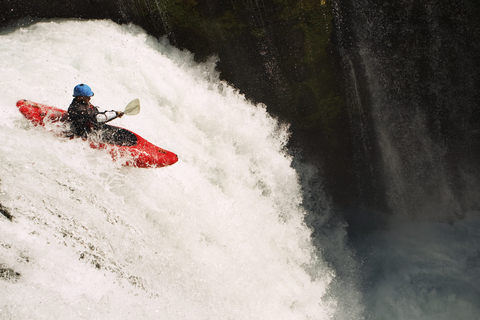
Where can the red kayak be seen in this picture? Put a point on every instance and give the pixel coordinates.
(121, 143)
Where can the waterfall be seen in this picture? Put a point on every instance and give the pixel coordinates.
(220, 234)
(409, 71)
(411, 100)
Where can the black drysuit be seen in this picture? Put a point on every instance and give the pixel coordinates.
(84, 118)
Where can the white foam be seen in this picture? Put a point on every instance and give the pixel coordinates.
(218, 235)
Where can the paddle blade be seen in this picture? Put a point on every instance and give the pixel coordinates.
(132, 108)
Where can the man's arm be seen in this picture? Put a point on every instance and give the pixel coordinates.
(106, 116)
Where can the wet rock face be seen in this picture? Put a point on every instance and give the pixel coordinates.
(9, 274)
(90, 9)
(5, 212)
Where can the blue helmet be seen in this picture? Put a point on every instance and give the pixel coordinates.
(82, 90)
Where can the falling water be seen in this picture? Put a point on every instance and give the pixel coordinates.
(218, 235)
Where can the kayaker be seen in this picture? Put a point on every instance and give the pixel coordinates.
(85, 117)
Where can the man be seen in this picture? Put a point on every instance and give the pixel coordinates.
(84, 117)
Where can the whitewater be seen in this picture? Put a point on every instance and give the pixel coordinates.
(225, 233)
(218, 235)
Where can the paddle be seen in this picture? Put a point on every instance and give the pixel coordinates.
(132, 108)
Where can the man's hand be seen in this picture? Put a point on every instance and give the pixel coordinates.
(120, 114)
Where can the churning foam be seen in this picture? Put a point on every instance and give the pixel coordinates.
(218, 235)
